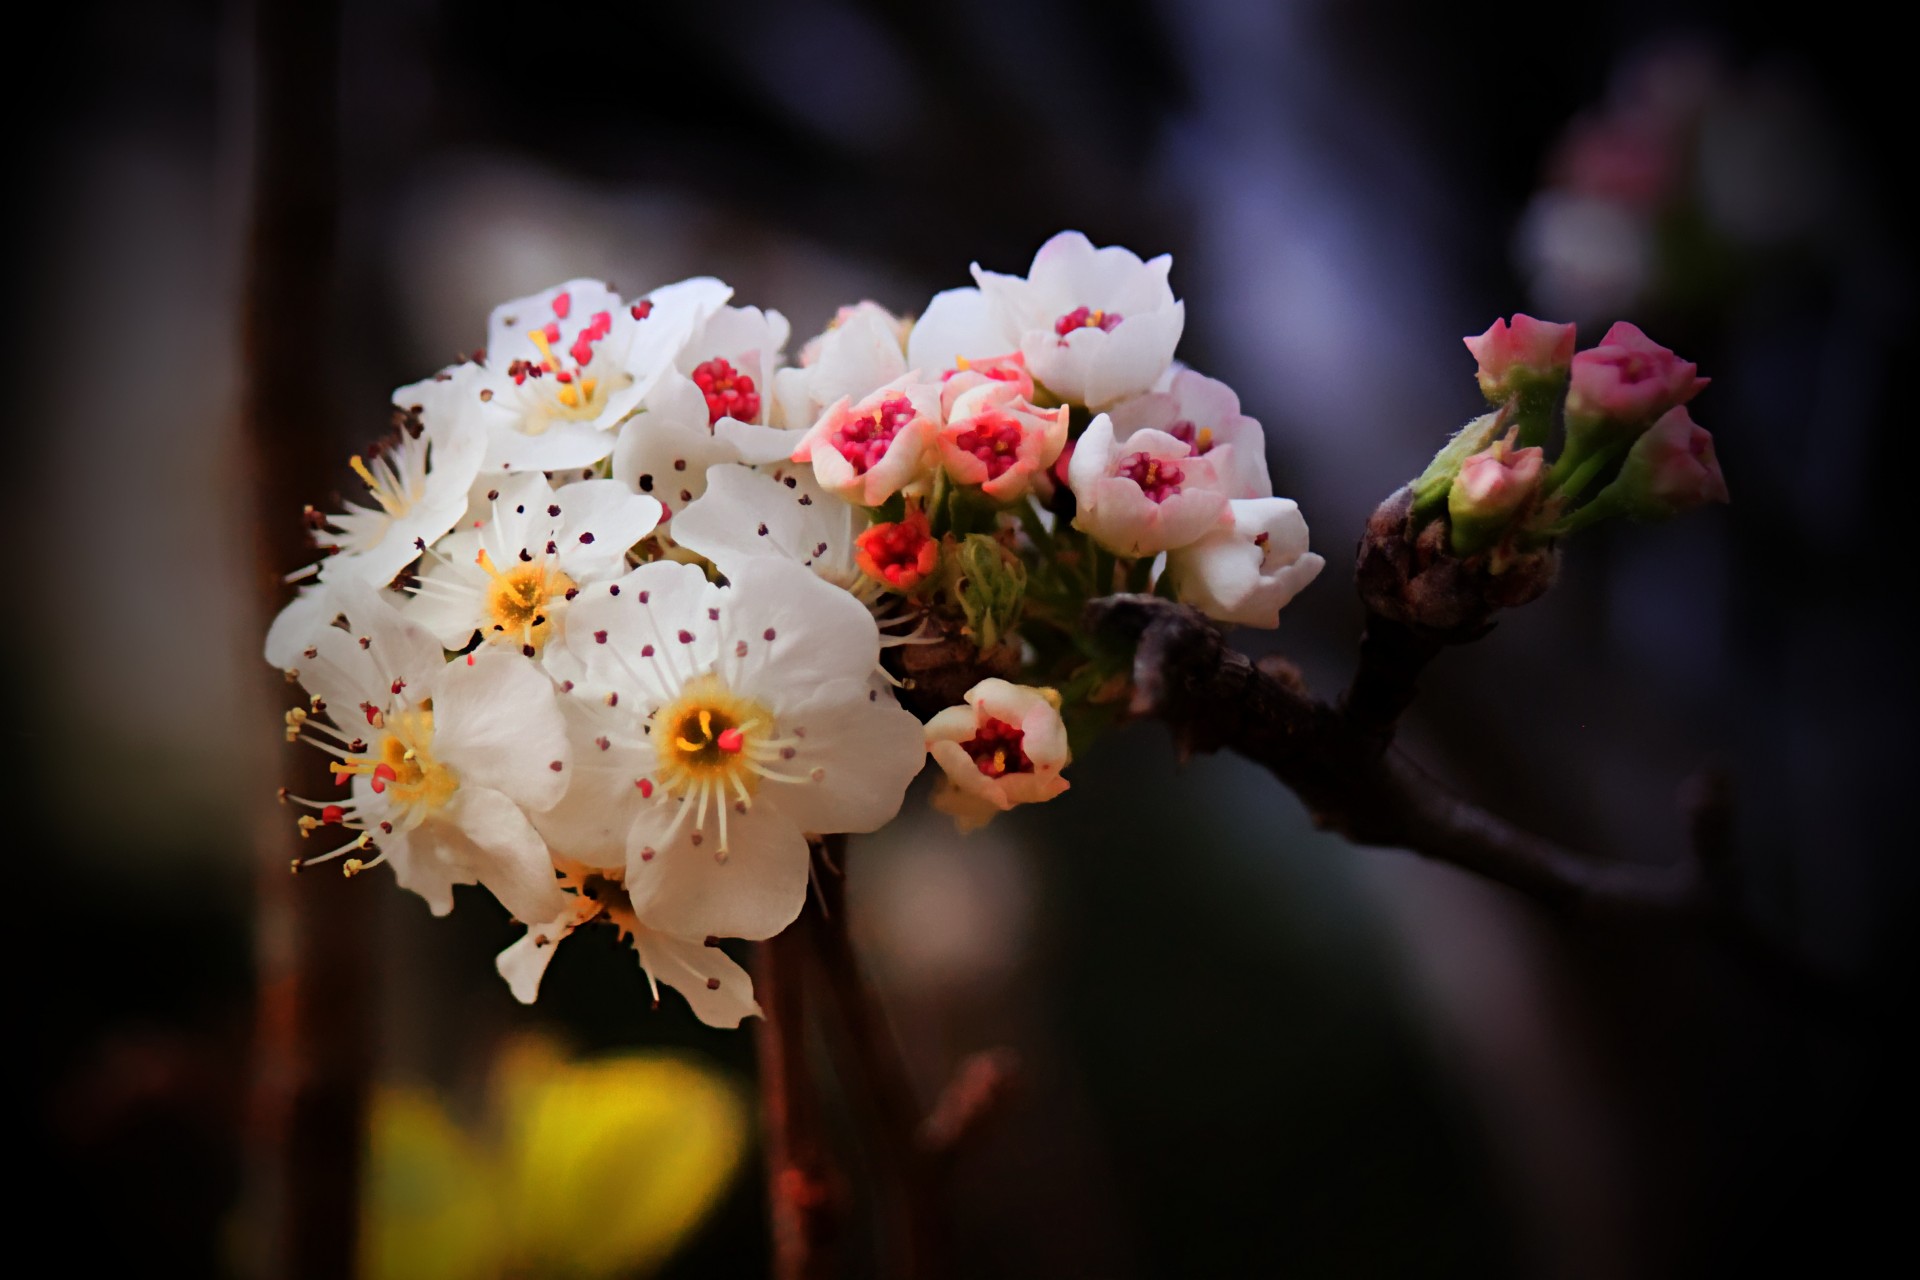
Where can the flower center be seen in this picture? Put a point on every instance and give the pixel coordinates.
(729, 393)
(1158, 478)
(864, 440)
(1087, 318)
(578, 391)
(520, 602)
(1199, 439)
(995, 440)
(711, 737)
(995, 748)
(401, 764)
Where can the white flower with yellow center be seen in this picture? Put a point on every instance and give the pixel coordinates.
(511, 575)
(417, 486)
(566, 366)
(440, 763)
(733, 722)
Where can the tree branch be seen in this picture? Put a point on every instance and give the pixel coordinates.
(1341, 762)
(804, 1195)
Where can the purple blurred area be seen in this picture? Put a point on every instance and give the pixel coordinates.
(1250, 1049)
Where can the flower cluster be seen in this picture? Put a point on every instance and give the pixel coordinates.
(1629, 447)
(635, 609)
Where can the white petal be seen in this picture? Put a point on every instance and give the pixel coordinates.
(496, 725)
(719, 990)
(687, 889)
(865, 749)
(504, 853)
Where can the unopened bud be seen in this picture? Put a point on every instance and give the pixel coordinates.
(1492, 489)
(1670, 469)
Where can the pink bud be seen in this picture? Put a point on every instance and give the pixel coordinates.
(1673, 468)
(1537, 349)
(1629, 379)
(1495, 484)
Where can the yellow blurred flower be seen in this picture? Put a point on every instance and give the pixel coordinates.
(594, 1168)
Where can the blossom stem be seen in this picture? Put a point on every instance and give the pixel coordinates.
(803, 1195)
(869, 1051)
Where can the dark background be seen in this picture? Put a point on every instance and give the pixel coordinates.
(1252, 1050)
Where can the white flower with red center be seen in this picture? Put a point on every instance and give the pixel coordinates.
(1247, 572)
(779, 511)
(995, 438)
(733, 722)
(961, 331)
(510, 575)
(444, 760)
(1095, 325)
(1205, 415)
(1005, 747)
(1144, 495)
(861, 351)
(868, 450)
(567, 366)
(732, 359)
(418, 484)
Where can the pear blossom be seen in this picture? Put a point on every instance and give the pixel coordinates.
(1246, 573)
(1144, 495)
(1525, 350)
(568, 365)
(1629, 379)
(1095, 325)
(1204, 414)
(994, 438)
(962, 329)
(511, 575)
(868, 450)
(739, 720)
(418, 483)
(444, 761)
(862, 350)
(1006, 746)
(733, 358)
(780, 511)
(1670, 469)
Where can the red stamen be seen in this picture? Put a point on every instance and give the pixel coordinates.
(729, 393)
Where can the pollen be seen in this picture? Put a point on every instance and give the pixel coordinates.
(521, 601)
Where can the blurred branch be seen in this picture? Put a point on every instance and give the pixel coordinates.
(804, 1196)
(312, 1052)
(1341, 761)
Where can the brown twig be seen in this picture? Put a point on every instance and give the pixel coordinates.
(804, 1195)
(1340, 760)
(312, 1054)
(871, 1057)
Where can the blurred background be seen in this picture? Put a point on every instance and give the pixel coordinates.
(1250, 1049)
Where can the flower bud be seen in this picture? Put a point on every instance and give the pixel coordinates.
(1491, 490)
(898, 556)
(1520, 354)
(989, 583)
(1626, 382)
(1670, 469)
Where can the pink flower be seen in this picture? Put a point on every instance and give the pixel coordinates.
(1672, 468)
(995, 438)
(869, 451)
(1629, 379)
(1523, 350)
(1205, 413)
(1005, 747)
(1144, 495)
(1492, 488)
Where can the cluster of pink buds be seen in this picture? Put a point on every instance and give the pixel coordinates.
(1626, 444)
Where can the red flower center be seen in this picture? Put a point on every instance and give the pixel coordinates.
(1197, 438)
(1086, 318)
(995, 748)
(995, 440)
(729, 393)
(1158, 478)
(863, 440)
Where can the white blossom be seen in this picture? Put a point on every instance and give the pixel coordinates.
(1006, 746)
(1205, 415)
(1145, 495)
(1247, 572)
